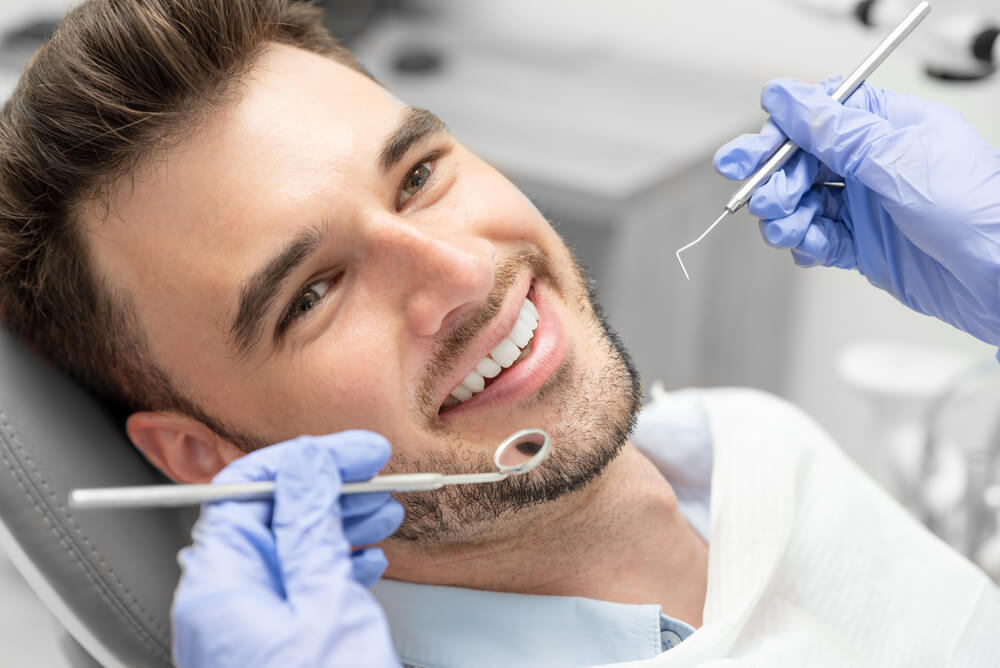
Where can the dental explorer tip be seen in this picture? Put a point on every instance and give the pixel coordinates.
(725, 212)
(681, 262)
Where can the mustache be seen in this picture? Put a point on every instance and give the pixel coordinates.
(441, 362)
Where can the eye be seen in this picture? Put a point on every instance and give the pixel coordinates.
(307, 300)
(415, 179)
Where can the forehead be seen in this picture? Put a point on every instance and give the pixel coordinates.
(214, 208)
(299, 117)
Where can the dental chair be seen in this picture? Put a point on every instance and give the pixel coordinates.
(107, 575)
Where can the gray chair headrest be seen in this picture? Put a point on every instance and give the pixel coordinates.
(107, 575)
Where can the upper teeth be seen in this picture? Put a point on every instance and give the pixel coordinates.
(503, 356)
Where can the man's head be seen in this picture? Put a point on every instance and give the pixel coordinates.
(116, 86)
(212, 214)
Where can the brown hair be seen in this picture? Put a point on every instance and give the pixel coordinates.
(118, 81)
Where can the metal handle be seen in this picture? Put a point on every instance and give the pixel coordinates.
(401, 482)
(169, 496)
(844, 91)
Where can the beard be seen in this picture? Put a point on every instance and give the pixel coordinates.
(590, 413)
(593, 410)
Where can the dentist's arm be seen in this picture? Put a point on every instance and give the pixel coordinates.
(920, 213)
(272, 584)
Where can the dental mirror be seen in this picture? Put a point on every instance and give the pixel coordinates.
(517, 454)
(522, 451)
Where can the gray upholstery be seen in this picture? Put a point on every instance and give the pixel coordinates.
(115, 570)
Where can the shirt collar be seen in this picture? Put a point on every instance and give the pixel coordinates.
(434, 627)
(437, 627)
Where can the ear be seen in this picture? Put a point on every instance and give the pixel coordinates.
(183, 448)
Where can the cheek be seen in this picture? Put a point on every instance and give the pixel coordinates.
(361, 388)
(497, 207)
(329, 388)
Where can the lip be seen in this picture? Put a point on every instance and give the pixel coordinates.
(548, 350)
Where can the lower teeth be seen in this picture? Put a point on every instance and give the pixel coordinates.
(452, 401)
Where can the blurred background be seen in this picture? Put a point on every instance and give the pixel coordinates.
(607, 113)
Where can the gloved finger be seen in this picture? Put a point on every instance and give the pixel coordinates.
(356, 505)
(226, 630)
(830, 84)
(259, 465)
(229, 580)
(741, 157)
(841, 136)
(789, 231)
(780, 195)
(232, 547)
(313, 554)
(376, 526)
(827, 242)
(904, 110)
(803, 260)
(225, 566)
(236, 515)
(367, 565)
(360, 454)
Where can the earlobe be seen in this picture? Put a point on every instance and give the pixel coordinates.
(183, 448)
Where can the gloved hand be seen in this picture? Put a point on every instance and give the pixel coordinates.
(271, 584)
(920, 213)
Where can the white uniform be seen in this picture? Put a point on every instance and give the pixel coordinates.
(812, 564)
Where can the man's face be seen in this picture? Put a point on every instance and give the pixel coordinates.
(320, 257)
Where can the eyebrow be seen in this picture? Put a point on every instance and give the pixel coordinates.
(259, 293)
(417, 124)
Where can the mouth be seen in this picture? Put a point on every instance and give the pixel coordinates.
(530, 351)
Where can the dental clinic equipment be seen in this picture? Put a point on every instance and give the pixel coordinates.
(784, 153)
(519, 453)
(961, 45)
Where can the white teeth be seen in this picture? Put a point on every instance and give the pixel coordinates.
(511, 350)
(531, 308)
(474, 382)
(520, 335)
(461, 393)
(529, 320)
(488, 368)
(505, 353)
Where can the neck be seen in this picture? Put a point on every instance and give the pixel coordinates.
(621, 539)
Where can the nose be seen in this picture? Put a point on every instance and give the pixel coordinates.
(435, 272)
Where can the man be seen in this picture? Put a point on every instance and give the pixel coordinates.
(214, 217)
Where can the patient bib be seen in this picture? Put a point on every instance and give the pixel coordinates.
(812, 564)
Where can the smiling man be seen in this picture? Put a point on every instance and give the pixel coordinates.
(215, 218)
(252, 240)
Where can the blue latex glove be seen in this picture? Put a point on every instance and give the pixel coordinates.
(270, 584)
(920, 214)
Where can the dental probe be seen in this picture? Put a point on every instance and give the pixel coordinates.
(518, 453)
(844, 91)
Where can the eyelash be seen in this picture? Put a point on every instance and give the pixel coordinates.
(430, 161)
(291, 317)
